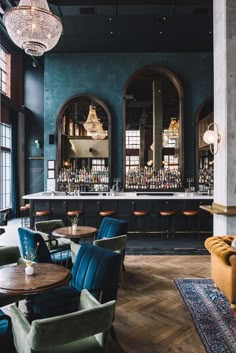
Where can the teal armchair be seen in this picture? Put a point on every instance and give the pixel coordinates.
(83, 331)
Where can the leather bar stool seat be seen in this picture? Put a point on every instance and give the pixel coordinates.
(74, 213)
(190, 214)
(169, 227)
(107, 213)
(140, 215)
(168, 213)
(43, 213)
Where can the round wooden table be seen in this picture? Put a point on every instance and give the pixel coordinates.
(14, 281)
(75, 235)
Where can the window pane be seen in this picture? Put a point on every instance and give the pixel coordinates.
(5, 166)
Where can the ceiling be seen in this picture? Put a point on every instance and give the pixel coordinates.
(132, 25)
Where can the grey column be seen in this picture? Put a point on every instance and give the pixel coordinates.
(225, 113)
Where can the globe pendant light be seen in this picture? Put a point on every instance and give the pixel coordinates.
(33, 27)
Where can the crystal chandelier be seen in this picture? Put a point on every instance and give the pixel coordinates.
(100, 134)
(33, 27)
(93, 125)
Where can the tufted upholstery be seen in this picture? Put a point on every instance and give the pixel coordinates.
(29, 240)
(223, 265)
(220, 246)
(111, 227)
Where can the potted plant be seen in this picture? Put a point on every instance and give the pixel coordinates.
(30, 256)
(74, 222)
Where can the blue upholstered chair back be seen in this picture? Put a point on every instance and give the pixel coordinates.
(96, 269)
(112, 227)
(6, 337)
(28, 242)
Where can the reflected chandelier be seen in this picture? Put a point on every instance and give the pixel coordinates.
(93, 126)
(33, 27)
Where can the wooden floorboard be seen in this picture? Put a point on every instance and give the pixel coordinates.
(150, 314)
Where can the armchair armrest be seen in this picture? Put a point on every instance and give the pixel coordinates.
(9, 255)
(87, 300)
(20, 328)
(49, 239)
(91, 321)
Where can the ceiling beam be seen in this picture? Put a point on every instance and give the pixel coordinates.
(203, 3)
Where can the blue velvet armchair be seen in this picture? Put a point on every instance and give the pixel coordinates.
(32, 243)
(112, 227)
(95, 269)
(6, 338)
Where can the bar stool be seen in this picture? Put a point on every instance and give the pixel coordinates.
(73, 213)
(141, 216)
(41, 215)
(190, 214)
(169, 214)
(24, 211)
(107, 213)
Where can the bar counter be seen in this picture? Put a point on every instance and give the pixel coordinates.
(60, 195)
(124, 204)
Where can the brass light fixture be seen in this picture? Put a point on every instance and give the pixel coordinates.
(33, 27)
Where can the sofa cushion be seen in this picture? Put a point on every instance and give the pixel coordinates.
(221, 247)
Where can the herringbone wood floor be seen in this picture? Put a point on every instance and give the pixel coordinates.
(150, 314)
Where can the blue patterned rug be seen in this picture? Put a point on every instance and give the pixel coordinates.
(211, 313)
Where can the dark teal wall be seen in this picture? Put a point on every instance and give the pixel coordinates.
(34, 101)
(105, 75)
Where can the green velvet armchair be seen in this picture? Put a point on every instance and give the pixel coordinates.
(83, 331)
(117, 244)
(9, 255)
(46, 228)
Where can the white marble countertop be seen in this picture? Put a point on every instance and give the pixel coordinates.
(55, 195)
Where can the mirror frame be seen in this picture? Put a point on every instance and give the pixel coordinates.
(162, 71)
(197, 118)
(97, 101)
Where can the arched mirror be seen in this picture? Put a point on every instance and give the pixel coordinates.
(204, 157)
(153, 111)
(83, 144)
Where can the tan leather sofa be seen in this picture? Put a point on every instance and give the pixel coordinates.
(223, 265)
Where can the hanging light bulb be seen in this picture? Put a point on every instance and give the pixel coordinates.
(33, 27)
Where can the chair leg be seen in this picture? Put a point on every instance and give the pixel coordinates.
(122, 279)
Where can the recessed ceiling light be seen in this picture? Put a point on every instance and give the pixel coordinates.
(161, 32)
(111, 33)
(110, 19)
(210, 32)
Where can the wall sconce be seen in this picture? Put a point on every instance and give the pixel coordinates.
(37, 144)
(212, 137)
